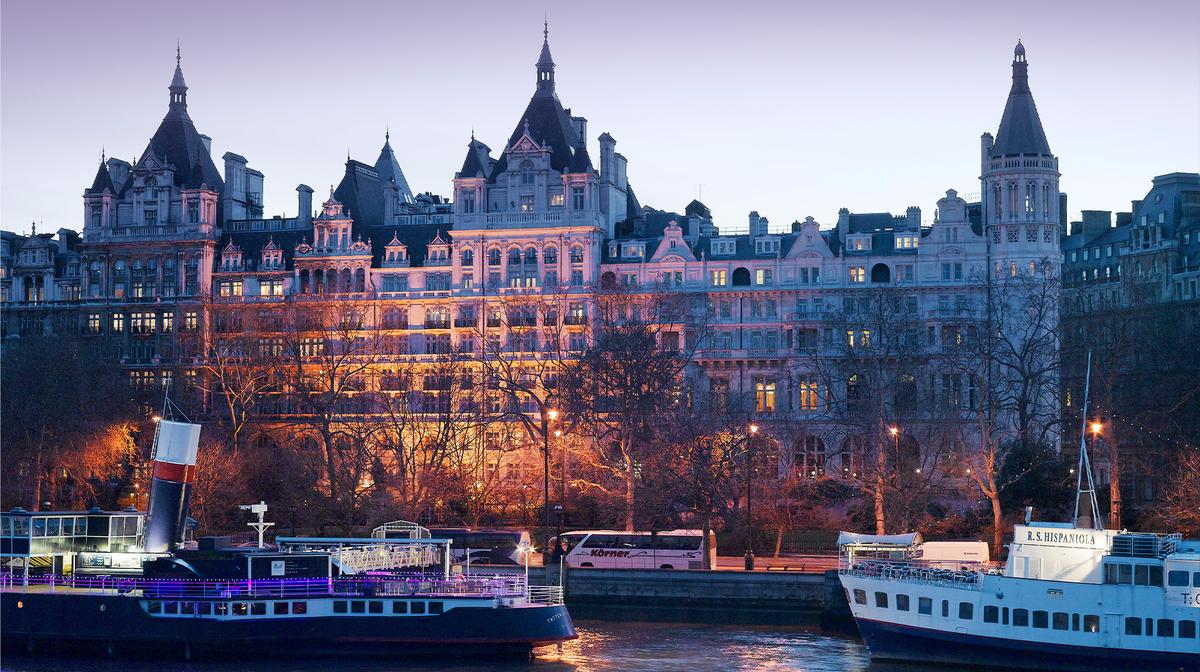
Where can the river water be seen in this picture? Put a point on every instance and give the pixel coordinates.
(602, 646)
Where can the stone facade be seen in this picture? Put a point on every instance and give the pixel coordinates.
(166, 239)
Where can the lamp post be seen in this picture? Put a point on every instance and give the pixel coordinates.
(749, 557)
(1114, 478)
(548, 416)
(894, 431)
(558, 508)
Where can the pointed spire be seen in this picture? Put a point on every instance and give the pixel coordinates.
(545, 64)
(1020, 129)
(178, 86)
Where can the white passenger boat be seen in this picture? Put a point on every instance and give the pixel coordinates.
(1072, 596)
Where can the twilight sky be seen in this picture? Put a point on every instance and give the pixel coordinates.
(788, 109)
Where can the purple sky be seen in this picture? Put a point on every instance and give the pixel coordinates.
(788, 109)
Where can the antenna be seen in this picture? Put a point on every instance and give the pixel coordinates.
(259, 510)
(1085, 465)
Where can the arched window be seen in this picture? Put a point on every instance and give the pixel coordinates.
(550, 256)
(304, 282)
(494, 257)
(577, 254)
(527, 176)
(514, 257)
(741, 277)
(608, 280)
(318, 282)
(852, 457)
(467, 256)
(809, 456)
(881, 273)
(360, 280)
(531, 256)
(345, 281)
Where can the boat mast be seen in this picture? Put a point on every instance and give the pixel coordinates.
(1085, 465)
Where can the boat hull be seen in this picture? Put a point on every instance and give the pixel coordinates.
(896, 642)
(119, 624)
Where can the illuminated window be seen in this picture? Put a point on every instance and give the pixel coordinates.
(858, 274)
(720, 278)
(764, 395)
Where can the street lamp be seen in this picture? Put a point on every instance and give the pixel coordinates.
(548, 415)
(749, 557)
(894, 430)
(558, 509)
(1114, 511)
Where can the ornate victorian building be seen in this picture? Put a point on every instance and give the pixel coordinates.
(167, 240)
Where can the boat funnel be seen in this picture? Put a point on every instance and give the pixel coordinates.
(175, 445)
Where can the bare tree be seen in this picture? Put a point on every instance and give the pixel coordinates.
(871, 366)
(629, 379)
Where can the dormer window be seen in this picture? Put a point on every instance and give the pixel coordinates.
(859, 243)
(766, 246)
(906, 241)
(527, 176)
(612, 249)
(722, 247)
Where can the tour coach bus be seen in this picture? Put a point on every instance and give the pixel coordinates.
(666, 549)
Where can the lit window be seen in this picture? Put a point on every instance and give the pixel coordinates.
(720, 278)
(858, 274)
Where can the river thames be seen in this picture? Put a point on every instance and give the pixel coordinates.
(602, 646)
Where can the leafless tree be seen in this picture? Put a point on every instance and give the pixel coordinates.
(629, 379)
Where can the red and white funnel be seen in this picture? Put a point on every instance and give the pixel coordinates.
(175, 445)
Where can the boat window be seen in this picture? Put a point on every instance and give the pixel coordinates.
(358, 607)
(339, 606)
(221, 608)
(1149, 623)
(1166, 627)
(418, 607)
(240, 609)
(399, 607)
(924, 606)
(170, 607)
(1041, 619)
(1091, 623)
(280, 608)
(902, 602)
(860, 596)
(1196, 579)
(1133, 625)
(1021, 617)
(1075, 621)
(991, 614)
(1187, 629)
(881, 600)
(1061, 620)
(1004, 618)
(375, 607)
(154, 607)
(187, 608)
(204, 608)
(299, 607)
(966, 611)
(258, 608)
(945, 608)
(436, 607)
(1177, 577)
(1126, 573)
(1112, 573)
(1141, 575)
(1156, 576)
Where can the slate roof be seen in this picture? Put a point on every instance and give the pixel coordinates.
(1020, 127)
(178, 143)
(416, 238)
(361, 192)
(388, 168)
(103, 181)
(550, 126)
(478, 162)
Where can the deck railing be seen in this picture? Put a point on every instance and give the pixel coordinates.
(912, 571)
(486, 586)
(545, 594)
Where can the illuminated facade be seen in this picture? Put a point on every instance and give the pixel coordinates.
(167, 240)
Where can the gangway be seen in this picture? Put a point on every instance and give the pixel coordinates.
(400, 529)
